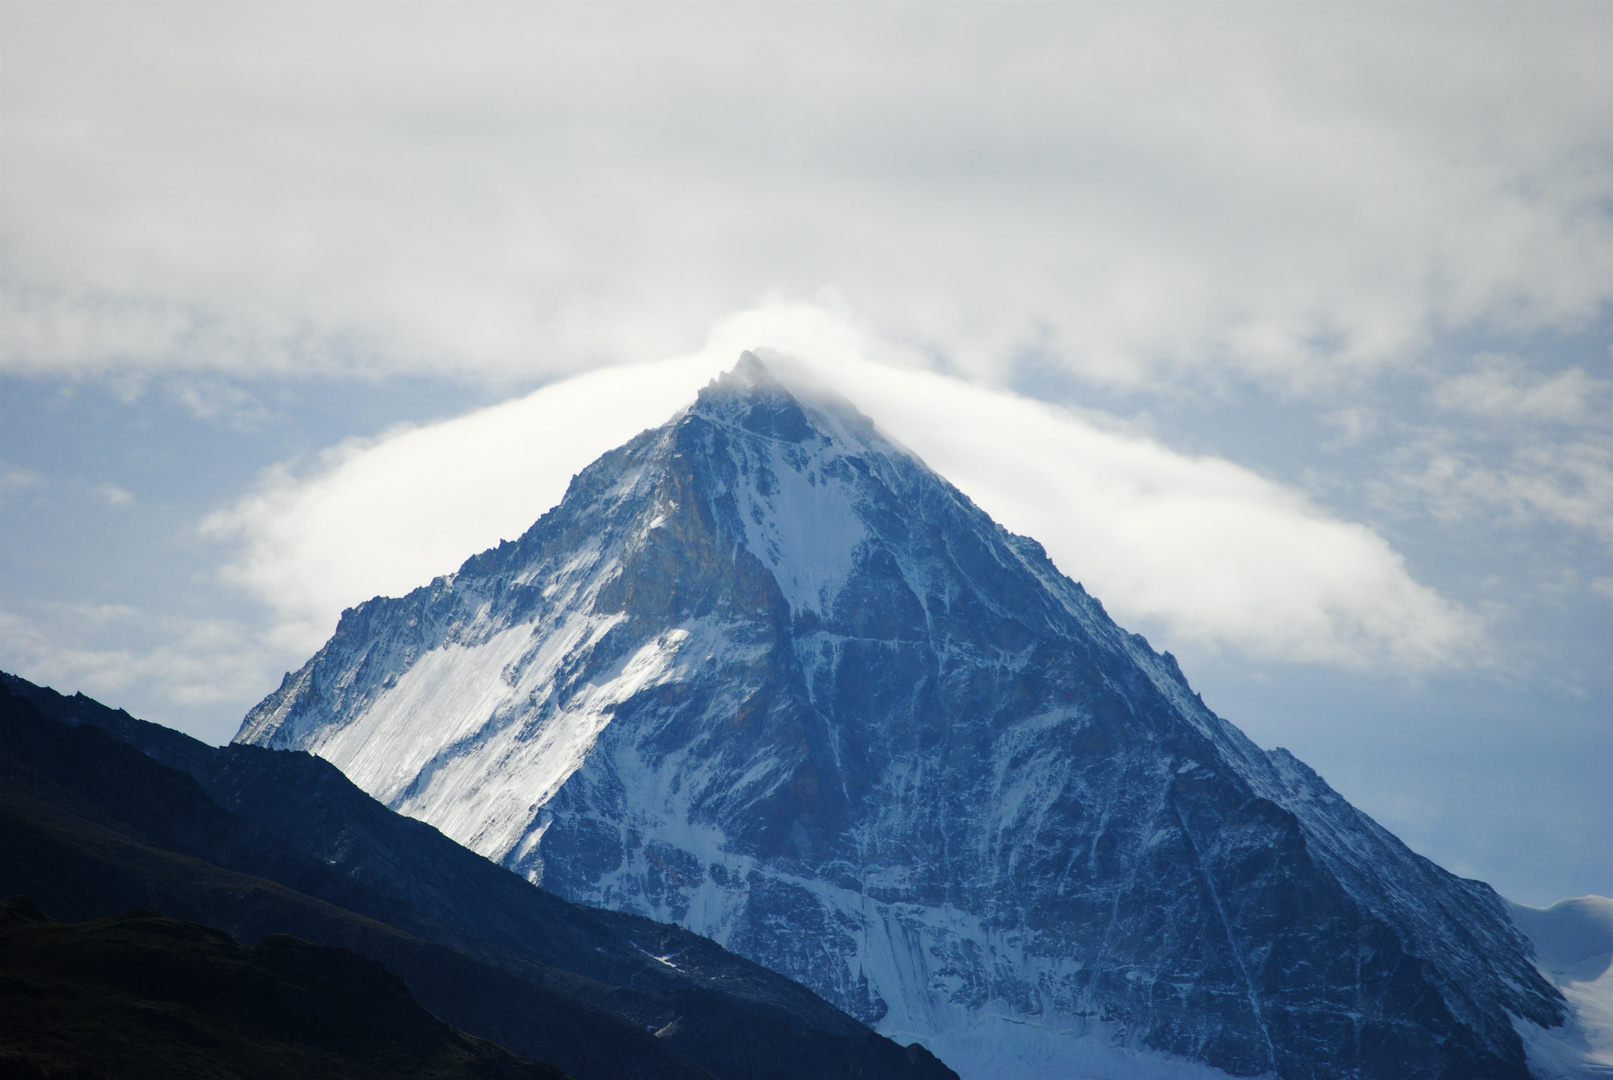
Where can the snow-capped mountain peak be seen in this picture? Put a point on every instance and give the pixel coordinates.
(765, 674)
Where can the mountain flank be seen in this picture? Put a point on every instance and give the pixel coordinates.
(764, 674)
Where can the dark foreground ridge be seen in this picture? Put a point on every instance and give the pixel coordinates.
(101, 813)
(139, 996)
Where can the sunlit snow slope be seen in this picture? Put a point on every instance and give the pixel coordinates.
(762, 673)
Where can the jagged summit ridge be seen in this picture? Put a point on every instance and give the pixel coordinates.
(765, 674)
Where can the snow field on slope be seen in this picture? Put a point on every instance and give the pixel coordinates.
(489, 797)
(805, 530)
(1574, 944)
(448, 693)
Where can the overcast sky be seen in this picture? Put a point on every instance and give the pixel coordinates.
(1287, 329)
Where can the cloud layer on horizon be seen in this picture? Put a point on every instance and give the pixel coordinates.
(1202, 549)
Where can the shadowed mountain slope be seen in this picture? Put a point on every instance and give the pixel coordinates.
(139, 996)
(95, 825)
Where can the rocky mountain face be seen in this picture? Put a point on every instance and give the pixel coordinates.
(763, 674)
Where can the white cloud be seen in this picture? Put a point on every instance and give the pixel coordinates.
(16, 481)
(1567, 482)
(1503, 388)
(162, 667)
(1296, 195)
(112, 494)
(383, 516)
(1200, 548)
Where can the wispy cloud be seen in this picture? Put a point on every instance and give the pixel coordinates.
(1210, 552)
(1568, 482)
(220, 402)
(16, 481)
(112, 494)
(161, 666)
(1504, 388)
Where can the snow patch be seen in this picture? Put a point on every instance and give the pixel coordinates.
(1573, 941)
(490, 797)
(447, 694)
(801, 522)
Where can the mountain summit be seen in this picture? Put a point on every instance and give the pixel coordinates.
(764, 674)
